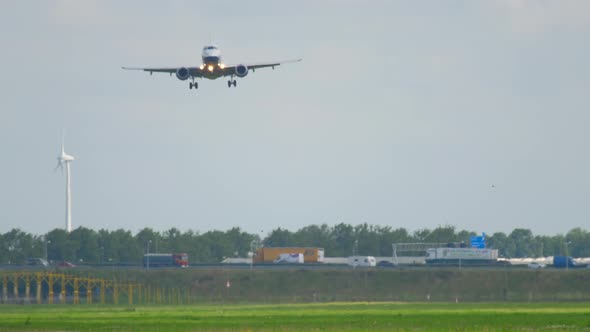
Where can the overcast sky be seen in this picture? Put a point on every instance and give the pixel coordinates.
(403, 113)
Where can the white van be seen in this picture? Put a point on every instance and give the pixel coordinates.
(362, 261)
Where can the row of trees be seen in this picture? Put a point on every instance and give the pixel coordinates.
(85, 245)
(338, 240)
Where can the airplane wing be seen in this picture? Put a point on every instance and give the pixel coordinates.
(194, 71)
(231, 69)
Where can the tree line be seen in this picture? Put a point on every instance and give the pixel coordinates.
(121, 246)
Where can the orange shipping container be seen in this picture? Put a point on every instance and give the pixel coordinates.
(268, 255)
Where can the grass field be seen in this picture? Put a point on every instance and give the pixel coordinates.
(374, 285)
(302, 317)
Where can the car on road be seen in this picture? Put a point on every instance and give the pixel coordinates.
(536, 265)
(386, 264)
(66, 264)
(37, 262)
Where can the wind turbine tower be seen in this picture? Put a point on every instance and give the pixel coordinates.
(65, 159)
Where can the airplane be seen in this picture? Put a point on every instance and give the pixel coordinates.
(212, 68)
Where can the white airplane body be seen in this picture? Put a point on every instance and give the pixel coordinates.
(212, 68)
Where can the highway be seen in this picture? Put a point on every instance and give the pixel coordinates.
(219, 266)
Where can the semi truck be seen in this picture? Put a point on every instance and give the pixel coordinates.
(563, 262)
(165, 260)
(456, 256)
(267, 255)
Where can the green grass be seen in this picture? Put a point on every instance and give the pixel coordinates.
(296, 285)
(358, 316)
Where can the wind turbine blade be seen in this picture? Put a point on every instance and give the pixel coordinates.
(60, 165)
(63, 139)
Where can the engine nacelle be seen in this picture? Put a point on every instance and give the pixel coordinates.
(183, 73)
(241, 70)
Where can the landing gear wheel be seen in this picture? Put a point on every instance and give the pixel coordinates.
(234, 83)
(229, 84)
(190, 85)
(193, 84)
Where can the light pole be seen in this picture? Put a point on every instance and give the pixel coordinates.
(355, 249)
(148, 254)
(253, 245)
(46, 242)
(567, 257)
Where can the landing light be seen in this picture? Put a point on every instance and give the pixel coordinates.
(210, 68)
(221, 65)
(202, 66)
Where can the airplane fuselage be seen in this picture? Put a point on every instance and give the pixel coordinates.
(212, 65)
(211, 55)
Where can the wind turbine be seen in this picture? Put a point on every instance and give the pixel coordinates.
(61, 160)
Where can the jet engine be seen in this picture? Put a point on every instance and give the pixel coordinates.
(241, 70)
(182, 73)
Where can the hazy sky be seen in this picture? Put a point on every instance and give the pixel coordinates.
(403, 113)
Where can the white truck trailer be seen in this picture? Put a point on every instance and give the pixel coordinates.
(467, 256)
(293, 258)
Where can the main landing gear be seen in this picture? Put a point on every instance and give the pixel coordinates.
(230, 83)
(193, 84)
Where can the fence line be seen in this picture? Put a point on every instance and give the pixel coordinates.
(18, 287)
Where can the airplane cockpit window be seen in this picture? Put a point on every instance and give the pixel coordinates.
(210, 48)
